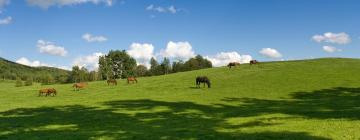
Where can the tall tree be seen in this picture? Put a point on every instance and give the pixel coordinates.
(122, 64)
(75, 74)
(165, 66)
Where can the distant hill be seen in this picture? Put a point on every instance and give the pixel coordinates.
(10, 70)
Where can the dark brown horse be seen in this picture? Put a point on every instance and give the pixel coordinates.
(47, 92)
(254, 62)
(202, 79)
(111, 81)
(78, 86)
(233, 64)
(131, 79)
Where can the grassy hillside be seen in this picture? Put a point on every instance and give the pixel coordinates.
(312, 99)
(11, 70)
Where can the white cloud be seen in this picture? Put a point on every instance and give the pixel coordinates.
(37, 63)
(5, 21)
(178, 50)
(223, 58)
(50, 48)
(4, 3)
(171, 9)
(90, 38)
(27, 62)
(142, 53)
(45, 4)
(270, 53)
(336, 38)
(91, 62)
(331, 49)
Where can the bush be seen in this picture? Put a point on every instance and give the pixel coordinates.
(29, 81)
(19, 82)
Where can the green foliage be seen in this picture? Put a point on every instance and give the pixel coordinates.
(10, 70)
(47, 79)
(29, 81)
(19, 82)
(141, 71)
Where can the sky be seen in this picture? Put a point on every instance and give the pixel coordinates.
(64, 33)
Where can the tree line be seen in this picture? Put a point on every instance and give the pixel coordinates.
(116, 64)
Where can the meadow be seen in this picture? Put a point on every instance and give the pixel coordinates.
(308, 99)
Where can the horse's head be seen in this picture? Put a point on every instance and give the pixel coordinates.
(208, 83)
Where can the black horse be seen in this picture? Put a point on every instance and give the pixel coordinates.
(202, 79)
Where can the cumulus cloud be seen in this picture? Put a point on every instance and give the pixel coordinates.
(90, 62)
(90, 38)
(223, 58)
(331, 49)
(4, 3)
(336, 38)
(25, 61)
(270, 53)
(142, 53)
(37, 63)
(45, 4)
(178, 50)
(171, 9)
(50, 48)
(6, 20)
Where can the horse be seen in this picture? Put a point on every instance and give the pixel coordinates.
(43, 91)
(51, 92)
(78, 86)
(131, 79)
(111, 81)
(254, 62)
(202, 79)
(47, 92)
(233, 64)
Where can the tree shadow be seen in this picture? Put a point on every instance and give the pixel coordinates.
(131, 119)
(334, 103)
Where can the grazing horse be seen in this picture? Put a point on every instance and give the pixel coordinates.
(131, 79)
(47, 92)
(51, 92)
(233, 64)
(254, 62)
(202, 79)
(111, 81)
(78, 86)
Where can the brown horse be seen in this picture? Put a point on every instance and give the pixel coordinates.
(131, 79)
(78, 86)
(233, 64)
(254, 62)
(111, 81)
(47, 92)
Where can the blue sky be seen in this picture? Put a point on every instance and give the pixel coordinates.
(37, 32)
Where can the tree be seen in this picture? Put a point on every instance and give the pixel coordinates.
(141, 70)
(19, 82)
(83, 75)
(122, 64)
(29, 81)
(105, 69)
(75, 74)
(47, 79)
(178, 66)
(155, 68)
(165, 66)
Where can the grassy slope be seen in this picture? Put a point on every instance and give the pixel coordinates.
(314, 99)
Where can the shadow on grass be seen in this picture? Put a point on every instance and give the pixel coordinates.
(149, 119)
(335, 103)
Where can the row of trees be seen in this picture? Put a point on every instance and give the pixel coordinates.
(116, 64)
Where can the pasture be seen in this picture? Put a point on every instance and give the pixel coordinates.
(310, 99)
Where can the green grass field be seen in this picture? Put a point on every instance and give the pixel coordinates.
(312, 99)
